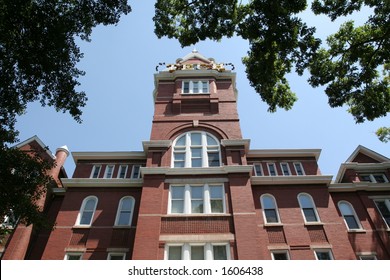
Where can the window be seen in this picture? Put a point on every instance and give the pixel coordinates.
(270, 210)
(196, 149)
(195, 87)
(367, 257)
(323, 254)
(122, 171)
(197, 251)
(383, 206)
(285, 169)
(109, 171)
(308, 208)
(196, 199)
(73, 256)
(125, 211)
(349, 215)
(87, 211)
(116, 256)
(373, 178)
(258, 169)
(280, 255)
(299, 169)
(96, 171)
(272, 169)
(135, 172)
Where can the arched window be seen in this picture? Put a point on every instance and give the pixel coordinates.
(308, 208)
(87, 211)
(270, 210)
(196, 149)
(125, 211)
(349, 215)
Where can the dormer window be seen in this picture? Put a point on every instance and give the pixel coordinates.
(373, 178)
(195, 87)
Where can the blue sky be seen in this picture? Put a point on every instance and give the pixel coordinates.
(120, 63)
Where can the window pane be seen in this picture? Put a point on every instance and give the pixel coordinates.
(216, 206)
(136, 169)
(127, 204)
(323, 256)
(96, 171)
(116, 257)
(174, 253)
(197, 206)
(298, 169)
(345, 209)
(196, 139)
(110, 168)
(86, 218)
(74, 257)
(177, 192)
(272, 171)
(186, 87)
(351, 222)
(365, 178)
(379, 178)
(205, 86)
(197, 253)
(310, 215)
(268, 202)
(122, 171)
(124, 218)
(177, 206)
(216, 192)
(213, 159)
(90, 205)
(271, 216)
(219, 252)
(211, 141)
(181, 141)
(258, 170)
(285, 169)
(197, 162)
(280, 256)
(305, 201)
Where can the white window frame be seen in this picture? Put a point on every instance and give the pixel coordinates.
(208, 249)
(192, 86)
(120, 204)
(122, 166)
(264, 208)
(82, 210)
(372, 177)
(207, 208)
(329, 251)
(120, 254)
(387, 204)
(367, 256)
(352, 213)
(313, 207)
(257, 166)
(73, 254)
(280, 252)
(106, 174)
(274, 167)
(288, 168)
(187, 149)
(94, 169)
(300, 167)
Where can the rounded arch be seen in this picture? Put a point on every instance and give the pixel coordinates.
(214, 130)
(124, 215)
(350, 217)
(87, 211)
(196, 148)
(308, 207)
(270, 208)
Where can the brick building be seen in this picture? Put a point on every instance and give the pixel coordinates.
(199, 191)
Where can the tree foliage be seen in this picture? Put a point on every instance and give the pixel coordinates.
(38, 59)
(353, 67)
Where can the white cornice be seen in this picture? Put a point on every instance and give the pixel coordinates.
(77, 156)
(236, 142)
(291, 180)
(285, 153)
(197, 170)
(365, 167)
(156, 144)
(364, 186)
(99, 183)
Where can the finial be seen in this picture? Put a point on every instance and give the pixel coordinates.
(194, 50)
